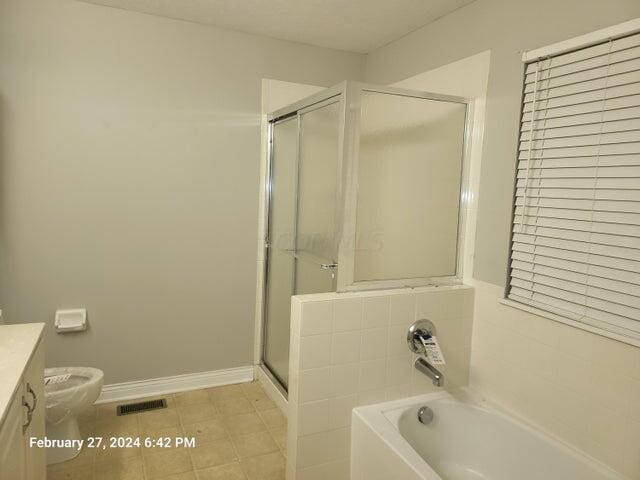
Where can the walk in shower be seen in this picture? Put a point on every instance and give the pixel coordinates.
(363, 192)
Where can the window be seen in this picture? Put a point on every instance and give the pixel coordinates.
(575, 248)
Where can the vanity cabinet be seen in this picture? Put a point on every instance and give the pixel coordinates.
(22, 407)
(12, 443)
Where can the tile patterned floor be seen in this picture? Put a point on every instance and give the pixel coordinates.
(240, 435)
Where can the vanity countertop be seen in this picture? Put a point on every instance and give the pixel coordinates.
(17, 344)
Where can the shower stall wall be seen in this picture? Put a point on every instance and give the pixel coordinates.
(363, 192)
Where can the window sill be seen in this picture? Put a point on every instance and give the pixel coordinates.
(572, 323)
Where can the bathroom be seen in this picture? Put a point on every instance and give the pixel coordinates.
(224, 256)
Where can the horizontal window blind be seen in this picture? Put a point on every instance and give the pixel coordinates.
(575, 247)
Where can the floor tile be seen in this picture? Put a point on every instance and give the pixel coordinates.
(114, 454)
(256, 426)
(254, 444)
(234, 406)
(79, 473)
(84, 458)
(252, 388)
(158, 419)
(87, 415)
(126, 426)
(232, 471)
(197, 412)
(273, 418)
(108, 410)
(226, 392)
(169, 462)
(265, 467)
(244, 424)
(191, 398)
(181, 476)
(207, 431)
(212, 454)
(129, 469)
(280, 437)
(169, 432)
(262, 402)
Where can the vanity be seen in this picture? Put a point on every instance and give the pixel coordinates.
(22, 406)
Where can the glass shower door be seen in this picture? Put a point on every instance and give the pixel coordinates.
(302, 243)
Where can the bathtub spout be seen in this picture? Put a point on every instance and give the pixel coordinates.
(430, 371)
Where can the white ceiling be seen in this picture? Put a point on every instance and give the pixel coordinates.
(352, 25)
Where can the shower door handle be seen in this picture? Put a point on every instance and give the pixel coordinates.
(328, 266)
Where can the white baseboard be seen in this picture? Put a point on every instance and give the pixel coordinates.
(178, 383)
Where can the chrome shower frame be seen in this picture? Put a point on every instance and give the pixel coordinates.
(349, 95)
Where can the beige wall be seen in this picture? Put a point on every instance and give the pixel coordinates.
(350, 349)
(506, 27)
(129, 160)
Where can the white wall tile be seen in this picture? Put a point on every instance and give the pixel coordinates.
(570, 407)
(607, 427)
(632, 450)
(544, 357)
(574, 372)
(340, 410)
(315, 351)
(558, 376)
(373, 344)
(635, 400)
(316, 318)
(294, 355)
(446, 304)
(360, 357)
(296, 314)
(314, 384)
(344, 379)
(376, 312)
(312, 449)
(345, 347)
(339, 443)
(347, 314)
(455, 332)
(572, 341)
(618, 357)
(402, 309)
(611, 390)
(398, 370)
(399, 391)
(397, 340)
(317, 472)
(372, 374)
(313, 417)
(369, 397)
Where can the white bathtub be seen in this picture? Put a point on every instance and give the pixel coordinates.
(465, 441)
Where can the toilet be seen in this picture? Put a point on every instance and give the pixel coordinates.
(68, 391)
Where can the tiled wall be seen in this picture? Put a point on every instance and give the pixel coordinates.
(583, 387)
(350, 349)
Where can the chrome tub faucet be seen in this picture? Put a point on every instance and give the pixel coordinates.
(419, 332)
